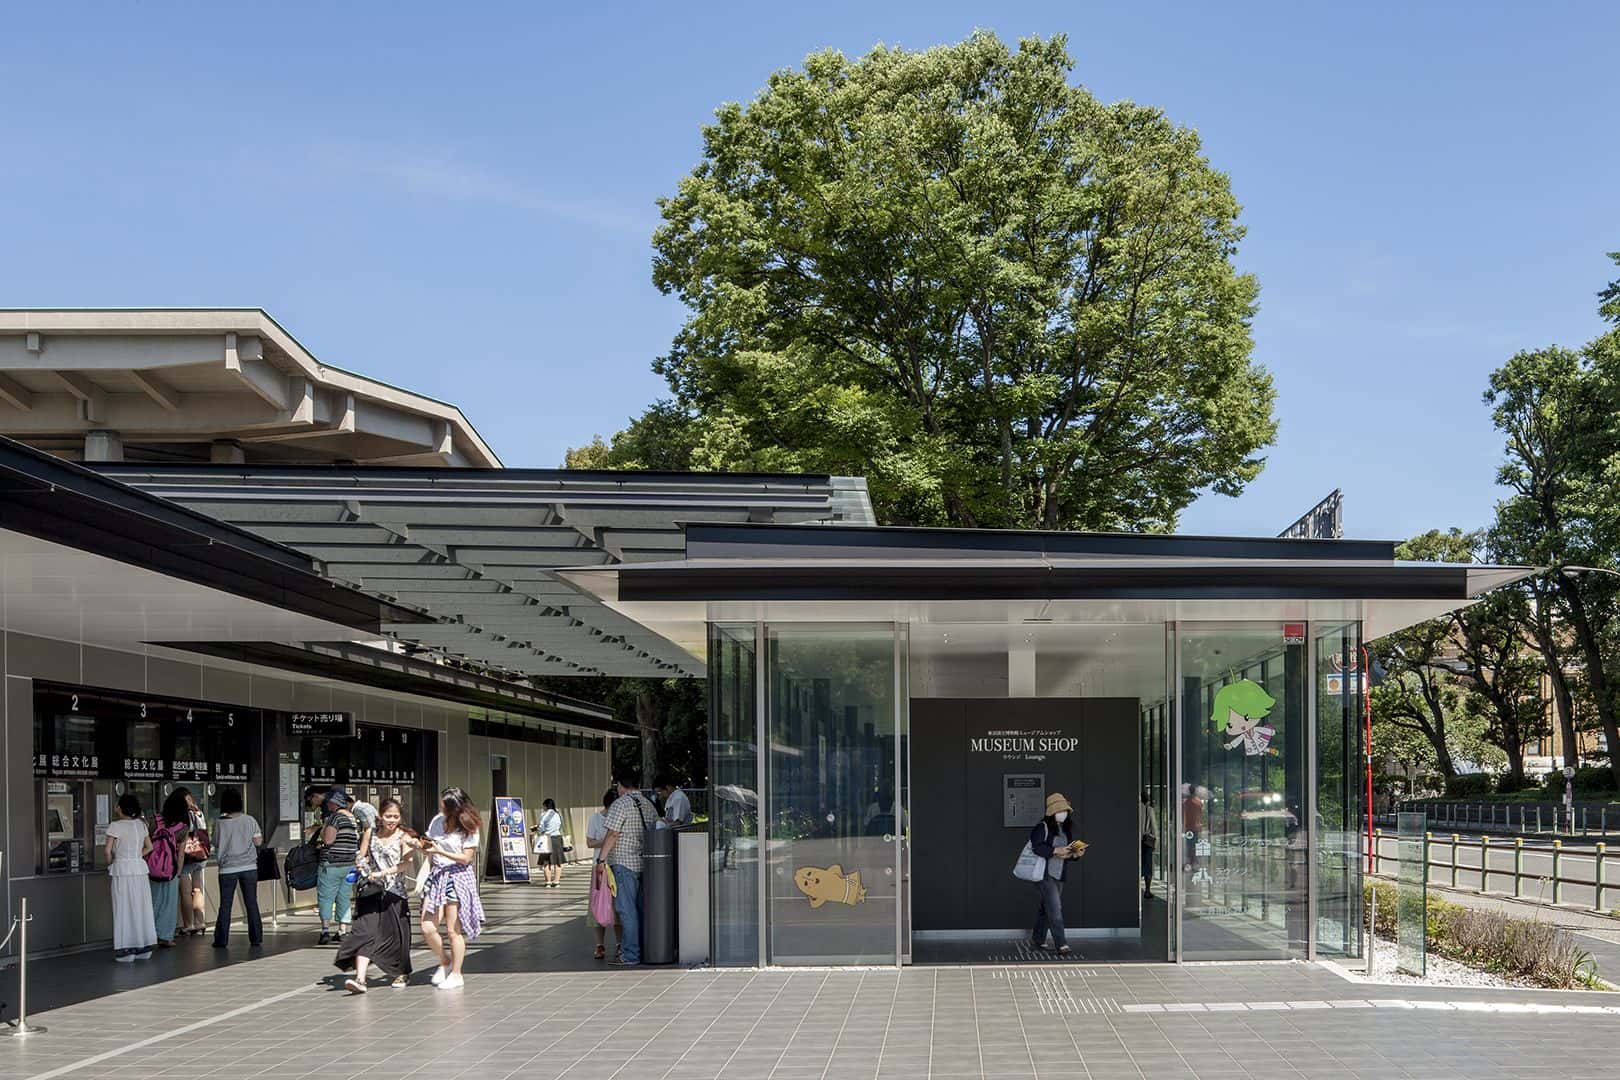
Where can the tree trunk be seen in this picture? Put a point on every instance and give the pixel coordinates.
(1515, 755)
(650, 725)
(1597, 677)
(1552, 658)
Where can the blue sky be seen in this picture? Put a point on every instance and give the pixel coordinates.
(458, 199)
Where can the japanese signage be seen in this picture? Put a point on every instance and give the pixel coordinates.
(330, 725)
(82, 734)
(509, 829)
(1017, 744)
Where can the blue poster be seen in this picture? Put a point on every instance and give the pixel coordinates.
(510, 831)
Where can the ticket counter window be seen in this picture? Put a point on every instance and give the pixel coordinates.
(66, 847)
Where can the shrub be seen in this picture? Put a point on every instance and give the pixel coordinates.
(1469, 785)
(1519, 948)
(1589, 780)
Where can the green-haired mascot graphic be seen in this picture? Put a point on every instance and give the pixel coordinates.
(1241, 706)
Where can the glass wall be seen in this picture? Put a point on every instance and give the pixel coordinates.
(1340, 789)
(831, 799)
(1244, 785)
(734, 802)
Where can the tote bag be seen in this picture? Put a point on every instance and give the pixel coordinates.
(602, 899)
(1030, 866)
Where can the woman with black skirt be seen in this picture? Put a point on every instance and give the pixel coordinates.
(382, 926)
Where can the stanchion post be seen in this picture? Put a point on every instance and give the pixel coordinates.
(21, 1028)
(1557, 873)
(1518, 865)
(1597, 897)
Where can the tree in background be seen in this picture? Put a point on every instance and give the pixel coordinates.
(669, 714)
(1560, 413)
(1502, 675)
(954, 273)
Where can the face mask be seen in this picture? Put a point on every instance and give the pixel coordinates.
(1062, 816)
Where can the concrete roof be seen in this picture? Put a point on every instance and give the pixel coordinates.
(166, 379)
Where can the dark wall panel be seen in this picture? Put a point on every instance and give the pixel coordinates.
(962, 854)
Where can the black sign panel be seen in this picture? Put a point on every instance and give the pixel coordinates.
(326, 725)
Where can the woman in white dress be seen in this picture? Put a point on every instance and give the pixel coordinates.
(134, 932)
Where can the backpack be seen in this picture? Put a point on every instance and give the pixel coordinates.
(303, 865)
(162, 862)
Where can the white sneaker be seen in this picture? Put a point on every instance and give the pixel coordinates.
(452, 982)
(440, 975)
(124, 959)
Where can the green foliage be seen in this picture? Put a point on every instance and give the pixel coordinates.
(955, 273)
(1589, 780)
(1529, 949)
(1470, 784)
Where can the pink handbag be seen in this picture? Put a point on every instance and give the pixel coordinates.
(601, 900)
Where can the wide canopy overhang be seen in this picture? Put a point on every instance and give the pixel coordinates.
(787, 574)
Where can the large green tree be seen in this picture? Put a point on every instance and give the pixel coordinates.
(1559, 410)
(954, 272)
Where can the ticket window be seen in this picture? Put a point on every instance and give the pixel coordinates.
(66, 835)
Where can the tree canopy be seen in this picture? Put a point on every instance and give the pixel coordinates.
(1005, 303)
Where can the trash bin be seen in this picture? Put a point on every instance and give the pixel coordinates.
(658, 916)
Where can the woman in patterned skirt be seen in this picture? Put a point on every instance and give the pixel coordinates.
(452, 887)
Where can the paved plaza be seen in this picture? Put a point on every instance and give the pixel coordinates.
(536, 1008)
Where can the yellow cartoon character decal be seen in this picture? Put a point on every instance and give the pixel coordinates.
(829, 885)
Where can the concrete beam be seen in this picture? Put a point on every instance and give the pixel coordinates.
(92, 398)
(16, 394)
(166, 396)
(103, 446)
(244, 358)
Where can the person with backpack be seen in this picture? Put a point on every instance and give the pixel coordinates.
(628, 820)
(340, 847)
(169, 831)
(134, 932)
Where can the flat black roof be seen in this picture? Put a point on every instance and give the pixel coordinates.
(48, 498)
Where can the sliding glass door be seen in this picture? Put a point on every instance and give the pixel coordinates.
(833, 811)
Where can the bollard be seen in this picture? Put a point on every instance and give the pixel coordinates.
(1453, 860)
(1583, 821)
(1538, 817)
(1557, 876)
(1484, 864)
(1428, 842)
(21, 1028)
(1518, 864)
(1597, 899)
(1378, 842)
(1603, 821)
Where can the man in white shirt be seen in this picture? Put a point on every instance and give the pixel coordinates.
(677, 807)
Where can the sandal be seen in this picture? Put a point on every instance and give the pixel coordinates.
(601, 953)
(354, 986)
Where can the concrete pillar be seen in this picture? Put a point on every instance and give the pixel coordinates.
(1021, 666)
(103, 446)
(227, 452)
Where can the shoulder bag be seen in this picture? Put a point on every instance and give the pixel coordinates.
(1030, 866)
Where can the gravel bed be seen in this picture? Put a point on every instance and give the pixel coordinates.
(1439, 971)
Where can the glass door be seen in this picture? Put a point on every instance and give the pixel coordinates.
(833, 806)
(1245, 770)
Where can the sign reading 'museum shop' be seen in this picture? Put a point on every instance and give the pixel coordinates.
(1023, 745)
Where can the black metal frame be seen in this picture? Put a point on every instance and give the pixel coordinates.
(55, 500)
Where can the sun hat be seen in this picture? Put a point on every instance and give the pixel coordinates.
(1056, 802)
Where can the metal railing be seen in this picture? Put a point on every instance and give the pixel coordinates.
(1451, 844)
(1531, 819)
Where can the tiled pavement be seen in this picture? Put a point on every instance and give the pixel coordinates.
(521, 1017)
